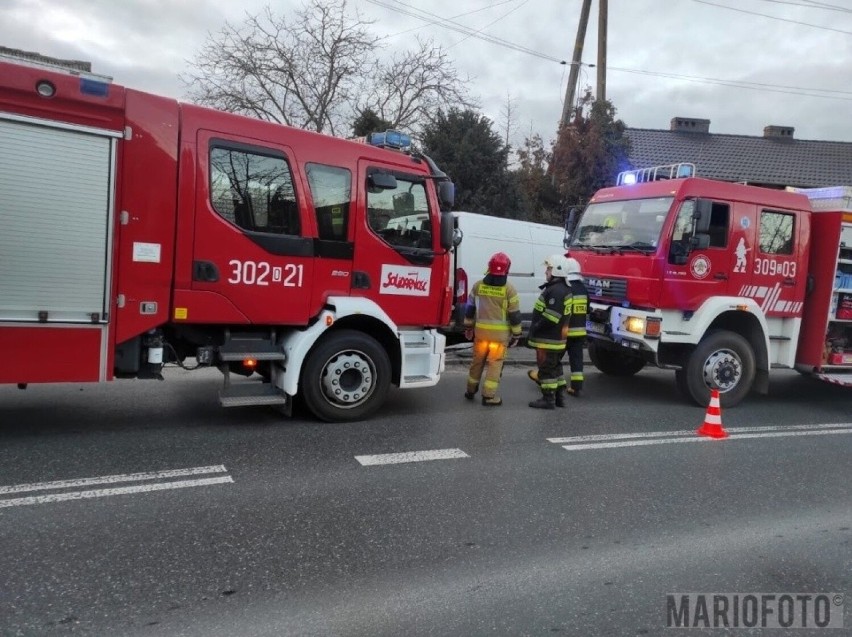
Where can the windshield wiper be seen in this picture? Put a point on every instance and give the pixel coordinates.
(638, 246)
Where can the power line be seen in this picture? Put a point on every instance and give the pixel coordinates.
(754, 86)
(772, 17)
(811, 5)
(458, 15)
(444, 22)
(490, 24)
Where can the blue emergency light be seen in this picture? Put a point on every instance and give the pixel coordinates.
(389, 139)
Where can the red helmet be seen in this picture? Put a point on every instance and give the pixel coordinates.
(499, 264)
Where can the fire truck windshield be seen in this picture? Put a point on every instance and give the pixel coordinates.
(633, 224)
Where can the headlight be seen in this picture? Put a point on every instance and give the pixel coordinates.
(635, 324)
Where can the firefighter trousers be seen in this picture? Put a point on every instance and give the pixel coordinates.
(574, 348)
(488, 356)
(550, 376)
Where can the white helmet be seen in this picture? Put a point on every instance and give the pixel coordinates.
(558, 265)
(573, 269)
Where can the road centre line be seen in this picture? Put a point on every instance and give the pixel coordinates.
(411, 456)
(102, 493)
(121, 477)
(733, 431)
(696, 438)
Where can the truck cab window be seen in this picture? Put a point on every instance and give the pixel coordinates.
(400, 215)
(331, 189)
(776, 232)
(719, 223)
(253, 191)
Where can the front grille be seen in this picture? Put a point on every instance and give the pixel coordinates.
(606, 289)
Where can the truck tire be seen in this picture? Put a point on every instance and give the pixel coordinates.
(614, 363)
(722, 360)
(346, 377)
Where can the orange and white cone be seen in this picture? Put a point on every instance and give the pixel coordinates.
(712, 426)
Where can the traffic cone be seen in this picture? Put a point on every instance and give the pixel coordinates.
(712, 426)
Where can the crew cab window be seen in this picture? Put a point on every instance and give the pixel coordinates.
(401, 215)
(254, 191)
(331, 189)
(776, 232)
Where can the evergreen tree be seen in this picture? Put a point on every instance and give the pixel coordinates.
(541, 200)
(369, 122)
(464, 144)
(589, 152)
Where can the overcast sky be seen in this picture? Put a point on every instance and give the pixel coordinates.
(800, 74)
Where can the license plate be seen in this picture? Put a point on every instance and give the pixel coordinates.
(597, 328)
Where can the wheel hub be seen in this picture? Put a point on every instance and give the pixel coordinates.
(723, 370)
(347, 379)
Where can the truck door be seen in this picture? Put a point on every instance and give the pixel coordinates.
(395, 245)
(771, 264)
(251, 250)
(694, 274)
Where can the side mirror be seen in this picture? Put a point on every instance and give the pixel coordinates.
(701, 215)
(381, 181)
(448, 231)
(446, 195)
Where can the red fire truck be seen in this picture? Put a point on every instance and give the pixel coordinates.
(718, 281)
(137, 231)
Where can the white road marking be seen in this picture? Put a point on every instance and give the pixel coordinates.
(411, 456)
(733, 431)
(121, 477)
(102, 493)
(662, 438)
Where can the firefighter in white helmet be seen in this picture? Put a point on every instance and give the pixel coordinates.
(493, 320)
(548, 331)
(576, 324)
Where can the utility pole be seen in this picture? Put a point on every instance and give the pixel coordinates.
(568, 106)
(602, 19)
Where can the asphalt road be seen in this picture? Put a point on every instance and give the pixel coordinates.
(523, 527)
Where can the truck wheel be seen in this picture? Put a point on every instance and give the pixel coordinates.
(722, 360)
(346, 377)
(614, 363)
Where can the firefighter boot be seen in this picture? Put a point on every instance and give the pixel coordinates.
(559, 398)
(492, 401)
(547, 401)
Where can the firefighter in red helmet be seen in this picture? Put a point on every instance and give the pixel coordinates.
(493, 320)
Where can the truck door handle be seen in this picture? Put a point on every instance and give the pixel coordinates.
(720, 276)
(788, 281)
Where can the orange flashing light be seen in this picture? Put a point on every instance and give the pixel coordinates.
(329, 320)
(742, 308)
(250, 363)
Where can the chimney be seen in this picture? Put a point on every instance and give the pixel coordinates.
(778, 132)
(690, 125)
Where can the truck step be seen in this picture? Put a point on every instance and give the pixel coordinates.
(244, 395)
(238, 349)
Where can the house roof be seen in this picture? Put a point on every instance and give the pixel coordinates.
(767, 160)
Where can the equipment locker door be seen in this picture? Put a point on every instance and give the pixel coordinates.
(56, 200)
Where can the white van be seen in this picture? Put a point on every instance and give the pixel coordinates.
(526, 243)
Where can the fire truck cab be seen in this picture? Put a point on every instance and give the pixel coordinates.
(718, 281)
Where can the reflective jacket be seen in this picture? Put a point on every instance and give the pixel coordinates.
(493, 310)
(579, 308)
(549, 326)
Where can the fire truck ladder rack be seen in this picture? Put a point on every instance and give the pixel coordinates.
(255, 348)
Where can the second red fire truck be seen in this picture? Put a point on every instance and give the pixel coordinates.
(137, 231)
(717, 281)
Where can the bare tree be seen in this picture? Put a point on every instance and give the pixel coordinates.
(319, 68)
(410, 89)
(508, 115)
(301, 70)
